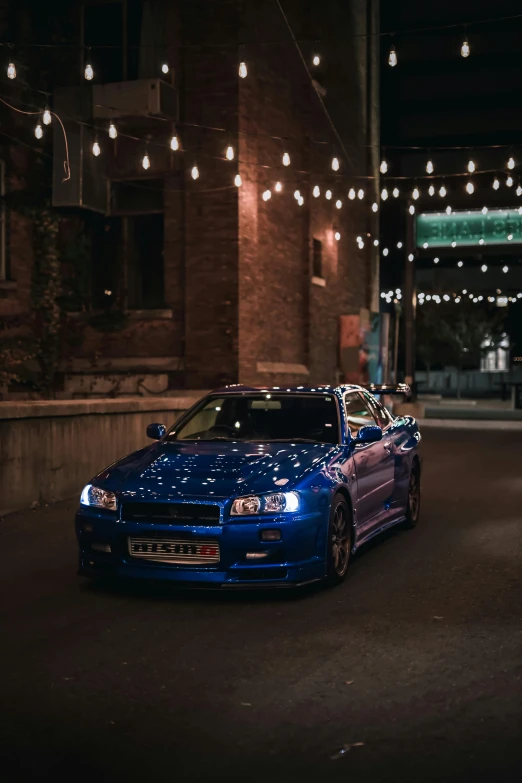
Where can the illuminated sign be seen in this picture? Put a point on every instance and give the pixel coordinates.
(468, 228)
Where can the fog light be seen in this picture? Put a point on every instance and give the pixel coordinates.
(256, 555)
(270, 535)
(101, 547)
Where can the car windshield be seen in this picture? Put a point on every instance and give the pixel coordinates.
(262, 417)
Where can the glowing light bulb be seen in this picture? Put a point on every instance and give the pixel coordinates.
(429, 167)
(505, 269)
(88, 73)
(460, 264)
(411, 209)
(229, 154)
(399, 245)
(112, 131)
(496, 184)
(243, 70)
(375, 206)
(415, 193)
(297, 194)
(316, 192)
(46, 117)
(278, 187)
(337, 235)
(11, 71)
(436, 260)
(267, 194)
(411, 257)
(174, 143)
(392, 57)
(431, 190)
(376, 243)
(335, 164)
(328, 194)
(509, 182)
(238, 181)
(96, 149)
(471, 166)
(165, 68)
(395, 192)
(470, 187)
(484, 210)
(383, 167)
(442, 191)
(511, 163)
(448, 210)
(194, 172)
(385, 251)
(38, 131)
(146, 161)
(360, 194)
(351, 194)
(286, 159)
(316, 60)
(519, 190)
(300, 201)
(484, 268)
(465, 48)
(384, 194)
(338, 203)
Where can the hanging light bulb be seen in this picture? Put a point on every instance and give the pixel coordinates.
(316, 60)
(460, 264)
(112, 131)
(505, 269)
(194, 172)
(484, 210)
(385, 251)
(429, 167)
(278, 187)
(338, 203)
(46, 117)
(431, 190)
(375, 207)
(243, 70)
(484, 268)
(11, 71)
(496, 184)
(316, 192)
(471, 166)
(300, 201)
(328, 194)
(146, 161)
(96, 149)
(415, 193)
(351, 194)
(267, 194)
(511, 163)
(470, 187)
(442, 191)
(448, 210)
(229, 154)
(165, 68)
(337, 235)
(297, 195)
(286, 159)
(519, 190)
(335, 164)
(509, 182)
(88, 73)
(238, 181)
(38, 131)
(174, 143)
(392, 57)
(376, 243)
(360, 194)
(399, 245)
(395, 192)
(411, 209)
(384, 194)
(383, 167)
(465, 48)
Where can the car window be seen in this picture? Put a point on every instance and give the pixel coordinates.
(381, 414)
(357, 413)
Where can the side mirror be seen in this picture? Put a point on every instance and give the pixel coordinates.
(156, 431)
(370, 433)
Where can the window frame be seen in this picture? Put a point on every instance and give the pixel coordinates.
(357, 393)
(380, 408)
(317, 245)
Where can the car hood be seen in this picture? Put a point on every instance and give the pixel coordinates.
(216, 470)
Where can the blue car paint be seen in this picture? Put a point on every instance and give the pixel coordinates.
(217, 472)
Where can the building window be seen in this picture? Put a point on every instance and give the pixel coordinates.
(145, 270)
(317, 258)
(495, 357)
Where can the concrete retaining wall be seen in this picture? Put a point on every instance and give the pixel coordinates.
(49, 450)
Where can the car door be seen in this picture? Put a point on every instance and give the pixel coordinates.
(368, 460)
(387, 468)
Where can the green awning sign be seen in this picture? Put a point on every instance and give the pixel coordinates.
(467, 228)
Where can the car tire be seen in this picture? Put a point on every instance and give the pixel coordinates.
(339, 541)
(414, 498)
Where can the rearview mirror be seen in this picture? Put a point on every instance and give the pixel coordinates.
(370, 433)
(156, 431)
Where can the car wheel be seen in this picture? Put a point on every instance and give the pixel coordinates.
(414, 498)
(339, 541)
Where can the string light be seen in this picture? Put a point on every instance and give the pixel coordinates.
(470, 187)
(496, 184)
(471, 166)
(484, 210)
(431, 190)
(375, 206)
(465, 49)
(376, 243)
(385, 251)
(286, 159)
(429, 167)
(300, 201)
(411, 257)
(511, 163)
(460, 263)
(383, 167)
(194, 172)
(338, 203)
(278, 187)
(229, 154)
(505, 269)
(316, 60)
(46, 117)
(360, 194)
(442, 191)
(399, 245)
(146, 161)
(113, 132)
(238, 181)
(267, 195)
(519, 190)
(328, 194)
(392, 57)
(384, 194)
(509, 182)
(96, 149)
(316, 192)
(411, 209)
(174, 143)
(484, 268)
(337, 235)
(165, 68)
(11, 71)
(448, 210)
(243, 70)
(351, 194)
(436, 260)
(88, 73)
(335, 164)
(297, 195)
(415, 193)
(38, 131)
(395, 192)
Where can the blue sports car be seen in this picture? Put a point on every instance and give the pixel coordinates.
(254, 487)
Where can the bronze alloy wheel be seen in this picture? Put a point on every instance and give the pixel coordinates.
(414, 498)
(339, 541)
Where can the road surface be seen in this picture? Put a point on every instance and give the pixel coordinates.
(410, 671)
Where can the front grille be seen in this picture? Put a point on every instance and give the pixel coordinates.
(201, 551)
(177, 513)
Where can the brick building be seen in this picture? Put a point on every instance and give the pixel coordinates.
(201, 282)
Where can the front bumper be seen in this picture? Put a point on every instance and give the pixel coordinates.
(297, 558)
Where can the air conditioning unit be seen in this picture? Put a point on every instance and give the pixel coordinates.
(140, 98)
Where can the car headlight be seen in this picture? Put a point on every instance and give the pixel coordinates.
(101, 498)
(275, 503)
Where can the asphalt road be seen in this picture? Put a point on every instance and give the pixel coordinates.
(413, 666)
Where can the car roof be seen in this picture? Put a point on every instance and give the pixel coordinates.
(319, 389)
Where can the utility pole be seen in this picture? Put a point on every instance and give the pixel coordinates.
(409, 304)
